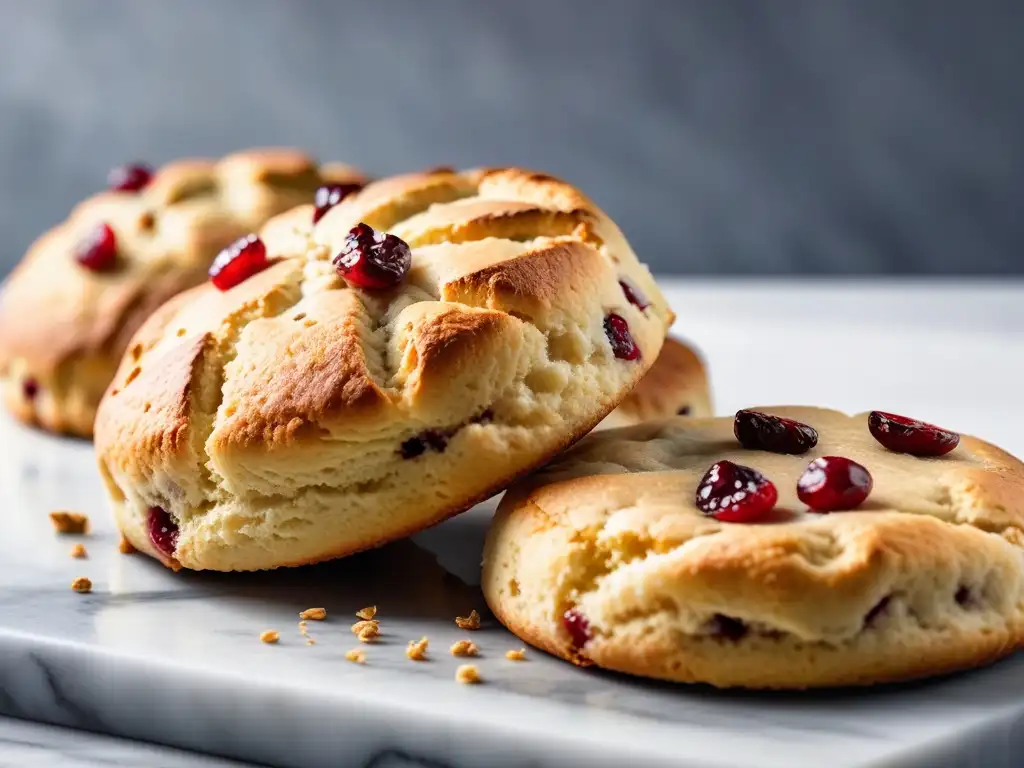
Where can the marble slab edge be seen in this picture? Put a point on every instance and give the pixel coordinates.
(265, 722)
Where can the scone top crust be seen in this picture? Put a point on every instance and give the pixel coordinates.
(293, 382)
(53, 311)
(611, 528)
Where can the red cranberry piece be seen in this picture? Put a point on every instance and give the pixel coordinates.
(764, 432)
(617, 331)
(633, 295)
(97, 251)
(735, 494)
(163, 531)
(372, 259)
(833, 483)
(903, 435)
(239, 261)
(130, 177)
(577, 626)
(329, 195)
(30, 388)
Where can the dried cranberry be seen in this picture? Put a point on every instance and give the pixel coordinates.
(833, 483)
(633, 296)
(130, 177)
(764, 432)
(903, 435)
(577, 626)
(239, 261)
(329, 195)
(735, 494)
(372, 259)
(727, 627)
(30, 388)
(432, 438)
(163, 531)
(617, 331)
(97, 251)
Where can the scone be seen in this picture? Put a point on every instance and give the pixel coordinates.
(428, 340)
(676, 385)
(71, 305)
(619, 554)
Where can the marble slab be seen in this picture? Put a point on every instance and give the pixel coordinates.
(176, 658)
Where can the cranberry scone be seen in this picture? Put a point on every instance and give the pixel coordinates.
(785, 548)
(676, 385)
(347, 382)
(71, 305)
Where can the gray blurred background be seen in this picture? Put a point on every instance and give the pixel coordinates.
(823, 136)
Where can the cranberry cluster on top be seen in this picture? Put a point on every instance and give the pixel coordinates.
(737, 494)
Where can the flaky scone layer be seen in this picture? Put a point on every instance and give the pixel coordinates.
(64, 328)
(676, 385)
(270, 420)
(927, 576)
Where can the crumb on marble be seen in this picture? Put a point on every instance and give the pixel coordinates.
(417, 650)
(464, 648)
(468, 622)
(467, 674)
(356, 656)
(82, 584)
(126, 547)
(270, 636)
(69, 522)
(516, 655)
(78, 551)
(314, 614)
(370, 627)
(367, 613)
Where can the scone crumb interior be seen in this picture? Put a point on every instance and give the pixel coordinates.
(356, 656)
(468, 622)
(270, 636)
(82, 585)
(69, 522)
(125, 547)
(78, 551)
(468, 674)
(367, 613)
(314, 614)
(417, 650)
(464, 648)
(516, 654)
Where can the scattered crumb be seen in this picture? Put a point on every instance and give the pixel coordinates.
(126, 547)
(468, 622)
(81, 584)
(270, 636)
(356, 656)
(367, 613)
(464, 648)
(316, 614)
(360, 626)
(417, 650)
(514, 655)
(78, 551)
(467, 674)
(69, 522)
(304, 631)
(368, 633)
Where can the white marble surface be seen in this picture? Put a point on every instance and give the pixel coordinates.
(176, 658)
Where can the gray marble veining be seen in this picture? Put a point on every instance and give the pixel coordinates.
(176, 659)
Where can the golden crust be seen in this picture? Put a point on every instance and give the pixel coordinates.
(63, 328)
(676, 385)
(326, 419)
(927, 576)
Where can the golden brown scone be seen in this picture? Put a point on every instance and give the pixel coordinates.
(294, 418)
(925, 577)
(676, 385)
(64, 327)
